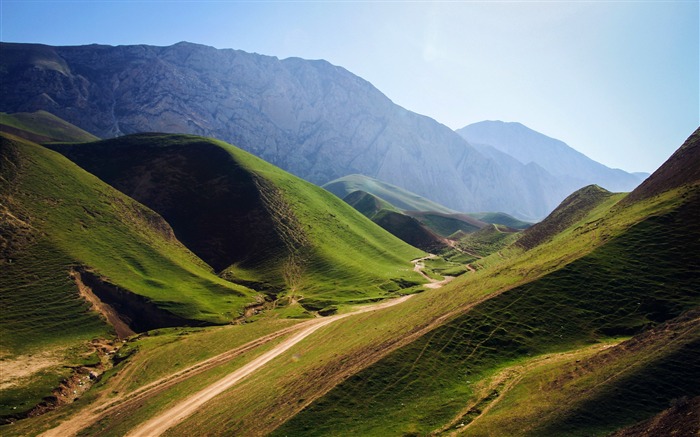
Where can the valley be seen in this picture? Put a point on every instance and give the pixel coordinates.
(315, 281)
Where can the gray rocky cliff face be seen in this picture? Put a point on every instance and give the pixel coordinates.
(311, 118)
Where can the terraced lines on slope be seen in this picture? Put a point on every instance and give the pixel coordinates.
(645, 276)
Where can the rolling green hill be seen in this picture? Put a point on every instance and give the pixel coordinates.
(485, 366)
(439, 219)
(447, 224)
(368, 204)
(399, 197)
(252, 222)
(42, 127)
(61, 227)
(57, 218)
(500, 218)
(572, 209)
(401, 225)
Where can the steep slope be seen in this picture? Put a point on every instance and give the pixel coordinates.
(368, 204)
(396, 196)
(419, 229)
(80, 263)
(56, 219)
(571, 210)
(42, 126)
(682, 168)
(645, 271)
(572, 168)
(447, 224)
(252, 222)
(313, 119)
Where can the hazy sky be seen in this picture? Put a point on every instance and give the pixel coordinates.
(618, 81)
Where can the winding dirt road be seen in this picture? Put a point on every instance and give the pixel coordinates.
(419, 265)
(167, 419)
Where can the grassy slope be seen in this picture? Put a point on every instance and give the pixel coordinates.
(368, 204)
(72, 218)
(575, 206)
(394, 221)
(54, 216)
(42, 123)
(396, 196)
(298, 238)
(499, 218)
(308, 370)
(288, 385)
(597, 394)
(447, 224)
(487, 240)
(646, 275)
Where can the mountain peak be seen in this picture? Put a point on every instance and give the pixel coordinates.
(572, 168)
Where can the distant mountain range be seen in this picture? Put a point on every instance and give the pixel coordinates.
(571, 169)
(313, 119)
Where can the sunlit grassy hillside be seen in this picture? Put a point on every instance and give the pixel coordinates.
(253, 222)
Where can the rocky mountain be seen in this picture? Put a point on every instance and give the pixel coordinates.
(313, 119)
(571, 169)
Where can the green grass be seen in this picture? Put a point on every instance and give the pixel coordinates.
(488, 240)
(445, 225)
(368, 204)
(595, 394)
(444, 267)
(308, 370)
(57, 217)
(46, 124)
(396, 196)
(500, 218)
(644, 276)
(277, 233)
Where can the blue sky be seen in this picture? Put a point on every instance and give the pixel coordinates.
(618, 81)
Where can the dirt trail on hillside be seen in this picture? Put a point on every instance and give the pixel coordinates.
(159, 424)
(419, 266)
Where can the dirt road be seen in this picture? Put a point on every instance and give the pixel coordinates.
(419, 265)
(167, 419)
(130, 402)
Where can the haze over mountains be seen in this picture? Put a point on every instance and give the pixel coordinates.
(169, 284)
(313, 119)
(571, 169)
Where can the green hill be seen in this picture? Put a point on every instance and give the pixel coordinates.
(252, 222)
(42, 127)
(447, 224)
(400, 198)
(500, 218)
(62, 228)
(542, 357)
(59, 217)
(572, 209)
(368, 204)
(439, 219)
(399, 224)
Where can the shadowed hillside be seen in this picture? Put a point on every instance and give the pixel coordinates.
(252, 222)
(682, 168)
(311, 118)
(571, 210)
(42, 127)
(545, 357)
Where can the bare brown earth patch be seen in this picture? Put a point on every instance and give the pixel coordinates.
(122, 329)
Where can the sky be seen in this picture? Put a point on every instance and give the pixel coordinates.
(616, 80)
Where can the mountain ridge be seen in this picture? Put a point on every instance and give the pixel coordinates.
(311, 118)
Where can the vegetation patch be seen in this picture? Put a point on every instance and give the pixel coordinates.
(645, 276)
